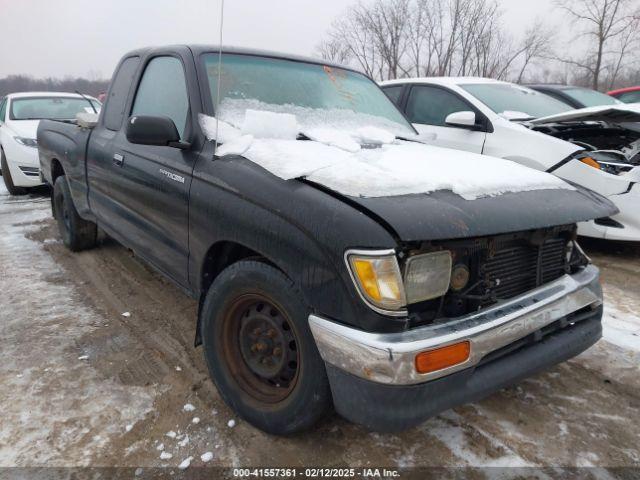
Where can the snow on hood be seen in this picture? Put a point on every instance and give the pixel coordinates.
(24, 128)
(628, 113)
(346, 163)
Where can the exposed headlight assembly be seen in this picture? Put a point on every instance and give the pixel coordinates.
(27, 142)
(379, 281)
(427, 276)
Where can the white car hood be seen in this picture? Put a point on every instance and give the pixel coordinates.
(629, 113)
(24, 128)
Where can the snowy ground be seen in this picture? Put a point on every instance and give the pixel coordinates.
(81, 384)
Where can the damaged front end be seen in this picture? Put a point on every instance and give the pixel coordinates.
(614, 148)
(489, 270)
(514, 304)
(609, 162)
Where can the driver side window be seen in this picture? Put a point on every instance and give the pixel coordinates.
(432, 105)
(163, 92)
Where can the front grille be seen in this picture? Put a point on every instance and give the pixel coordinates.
(521, 267)
(499, 268)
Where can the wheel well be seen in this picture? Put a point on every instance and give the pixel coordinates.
(219, 256)
(56, 170)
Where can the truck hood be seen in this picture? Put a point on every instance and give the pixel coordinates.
(417, 191)
(444, 215)
(628, 113)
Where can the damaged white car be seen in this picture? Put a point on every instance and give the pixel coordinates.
(597, 147)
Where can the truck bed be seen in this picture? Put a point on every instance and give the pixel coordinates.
(64, 144)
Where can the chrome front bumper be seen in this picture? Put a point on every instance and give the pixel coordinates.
(390, 358)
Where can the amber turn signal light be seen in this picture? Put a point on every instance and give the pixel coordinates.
(591, 162)
(444, 357)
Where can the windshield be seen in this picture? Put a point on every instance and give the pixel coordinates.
(503, 98)
(590, 98)
(54, 108)
(319, 96)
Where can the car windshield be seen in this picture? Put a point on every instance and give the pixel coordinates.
(513, 99)
(54, 108)
(319, 96)
(590, 98)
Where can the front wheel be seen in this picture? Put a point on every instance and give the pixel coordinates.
(77, 233)
(260, 351)
(6, 177)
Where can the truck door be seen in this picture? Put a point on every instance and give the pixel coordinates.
(427, 108)
(100, 168)
(149, 192)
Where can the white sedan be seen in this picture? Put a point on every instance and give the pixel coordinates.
(20, 114)
(598, 147)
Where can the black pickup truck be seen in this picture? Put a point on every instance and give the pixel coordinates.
(389, 305)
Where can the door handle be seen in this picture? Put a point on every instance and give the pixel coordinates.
(118, 159)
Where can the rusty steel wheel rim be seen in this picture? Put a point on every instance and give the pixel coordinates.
(260, 347)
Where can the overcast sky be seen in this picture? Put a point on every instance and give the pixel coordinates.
(86, 38)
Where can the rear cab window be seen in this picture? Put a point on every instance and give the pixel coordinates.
(114, 108)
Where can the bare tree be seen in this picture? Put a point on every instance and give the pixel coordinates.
(622, 53)
(536, 44)
(334, 51)
(603, 22)
(25, 83)
(350, 35)
(395, 38)
(386, 22)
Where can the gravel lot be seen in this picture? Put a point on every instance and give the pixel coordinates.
(98, 369)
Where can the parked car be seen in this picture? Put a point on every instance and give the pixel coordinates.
(20, 114)
(597, 147)
(575, 97)
(333, 262)
(627, 95)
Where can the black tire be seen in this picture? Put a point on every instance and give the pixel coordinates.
(77, 233)
(291, 403)
(6, 177)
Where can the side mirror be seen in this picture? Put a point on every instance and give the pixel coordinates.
(158, 131)
(461, 119)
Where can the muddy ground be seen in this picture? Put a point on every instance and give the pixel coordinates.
(98, 368)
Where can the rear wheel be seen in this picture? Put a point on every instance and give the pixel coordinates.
(260, 350)
(6, 177)
(77, 233)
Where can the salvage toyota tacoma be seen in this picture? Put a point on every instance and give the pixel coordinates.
(337, 260)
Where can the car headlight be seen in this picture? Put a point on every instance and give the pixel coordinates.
(427, 276)
(379, 281)
(590, 162)
(27, 142)
(377, 277)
